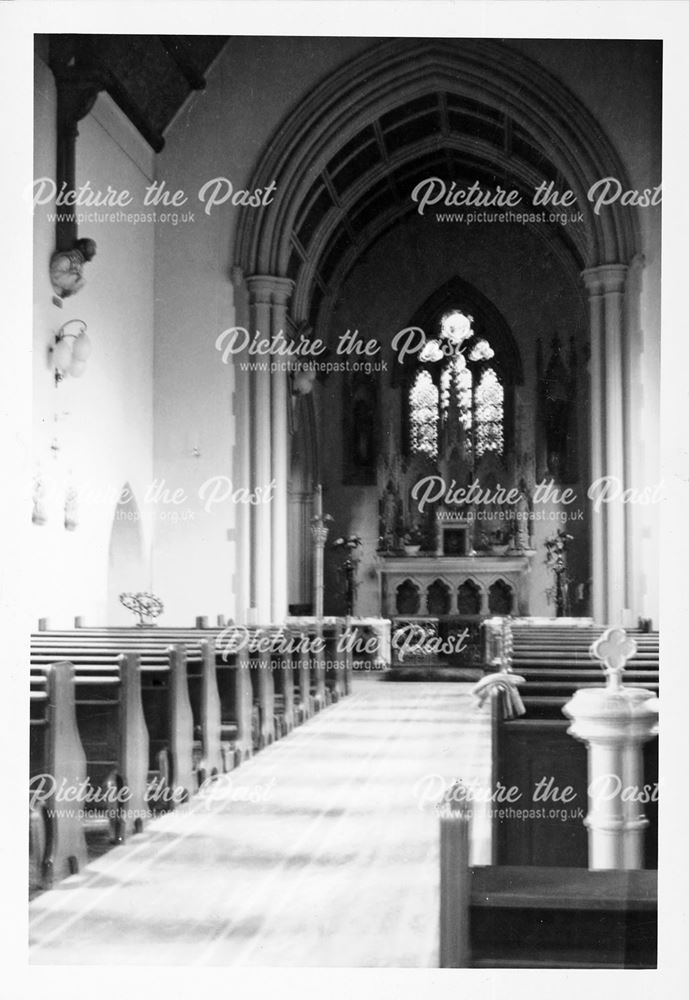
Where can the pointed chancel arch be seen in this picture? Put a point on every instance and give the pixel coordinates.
(345, 144)
(344, 164)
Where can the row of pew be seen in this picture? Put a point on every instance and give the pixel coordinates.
(126, 722)
(554, 659)
(537, 905)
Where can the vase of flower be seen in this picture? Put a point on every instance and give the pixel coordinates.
(499, 543)
(412, 540)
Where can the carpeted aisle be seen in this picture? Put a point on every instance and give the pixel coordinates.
(333, 863)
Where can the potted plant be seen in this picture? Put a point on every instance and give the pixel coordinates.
(412, 540)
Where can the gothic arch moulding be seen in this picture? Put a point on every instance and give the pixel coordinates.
(482, 74)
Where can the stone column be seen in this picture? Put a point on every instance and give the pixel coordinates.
(241, 473)
(614, 722)
(300, 507)
(269, 442)
(483, 594)
(281, 289)
(605, 286)
(319, 532)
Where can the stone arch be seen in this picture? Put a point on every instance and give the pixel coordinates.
(439, 597)
(555, 138)
(501, 597)
(379, 81)
(469, 597)
(408, 597)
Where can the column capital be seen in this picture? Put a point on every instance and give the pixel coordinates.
(269, 289)
(605, 279)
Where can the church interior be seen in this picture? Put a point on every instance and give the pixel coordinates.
(346, 410)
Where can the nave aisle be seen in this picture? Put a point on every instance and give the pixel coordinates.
(336, 865)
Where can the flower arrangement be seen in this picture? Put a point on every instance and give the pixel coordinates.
(556, 551)
(413, 535)
(349, 543)
(497, 541)
(146, 606)
(556, 560)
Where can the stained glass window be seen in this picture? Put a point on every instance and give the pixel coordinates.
(465, 390)
(423, 404)
(488, 410)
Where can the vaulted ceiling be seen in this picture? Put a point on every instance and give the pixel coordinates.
(367, 185)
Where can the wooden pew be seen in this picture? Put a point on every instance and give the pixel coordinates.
(282, 659)
(332, 669)
(203, 688)
(275, 714)
(165, 696)
(240, 680)
(173, 682)
(113, 733)
(223, 670)
(58, 842)
(507, 916)
(554, 660)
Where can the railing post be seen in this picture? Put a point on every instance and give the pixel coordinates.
(455, 877)
(614, 721)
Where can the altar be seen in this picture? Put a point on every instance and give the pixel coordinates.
(470, 586)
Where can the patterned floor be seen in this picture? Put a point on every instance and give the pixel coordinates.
(333, 863)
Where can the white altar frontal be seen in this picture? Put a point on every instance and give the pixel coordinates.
(465, 586)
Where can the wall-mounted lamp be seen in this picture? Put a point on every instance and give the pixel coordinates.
(302, 381)
(70, 350)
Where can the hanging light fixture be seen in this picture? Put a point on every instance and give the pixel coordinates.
(71, 350)
(303, 379)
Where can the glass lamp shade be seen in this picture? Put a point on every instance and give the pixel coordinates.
(82, 348)
(303, 382)
(62, 354)
(77, 368)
